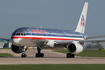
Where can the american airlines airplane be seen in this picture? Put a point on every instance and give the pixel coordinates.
(24, 37)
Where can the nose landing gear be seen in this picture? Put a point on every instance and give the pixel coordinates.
(23, 52)
(24, 55)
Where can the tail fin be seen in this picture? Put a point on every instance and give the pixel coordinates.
(82, 20)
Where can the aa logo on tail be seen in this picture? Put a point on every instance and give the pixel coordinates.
(82, 21)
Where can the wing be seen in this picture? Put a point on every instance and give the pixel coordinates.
(81, 41)
(92, 40)
(5, 39)
(94, 37)
(88, 39)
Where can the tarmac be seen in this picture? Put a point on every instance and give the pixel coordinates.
(50, 57)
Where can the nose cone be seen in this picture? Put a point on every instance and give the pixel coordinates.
(15, 41)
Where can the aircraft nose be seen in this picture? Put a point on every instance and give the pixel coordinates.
(15, 41)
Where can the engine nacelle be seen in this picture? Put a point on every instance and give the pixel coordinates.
(75, 48)
(16, 49)
(50, 43)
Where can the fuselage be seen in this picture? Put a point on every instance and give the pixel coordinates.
(28, 36)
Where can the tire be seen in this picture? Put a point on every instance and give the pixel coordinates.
(39, 55)
(69, 55)
(24, 55)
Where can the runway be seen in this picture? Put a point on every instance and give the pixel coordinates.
(50, 58)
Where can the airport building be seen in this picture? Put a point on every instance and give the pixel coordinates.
(4, 44)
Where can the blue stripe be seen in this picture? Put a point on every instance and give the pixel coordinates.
(36, 34)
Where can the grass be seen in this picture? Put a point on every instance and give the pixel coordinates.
(85, 53)
(54, 67)
(5, 55)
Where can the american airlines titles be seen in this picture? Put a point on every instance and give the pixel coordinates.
(43, 32)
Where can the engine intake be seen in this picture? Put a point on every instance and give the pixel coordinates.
(75, 48)
(16, 49)
(72, 48)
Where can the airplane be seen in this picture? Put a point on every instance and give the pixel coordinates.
(24, 37)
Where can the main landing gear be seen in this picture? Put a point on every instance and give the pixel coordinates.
(39, 54)
(69, 55)
(23, 52)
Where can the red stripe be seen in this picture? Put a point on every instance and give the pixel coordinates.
(42, 38)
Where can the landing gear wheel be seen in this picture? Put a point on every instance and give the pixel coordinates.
(24, 48)
(69, 55)
(24, 55)
(39, 55)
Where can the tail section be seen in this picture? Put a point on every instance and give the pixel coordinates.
(82, 20)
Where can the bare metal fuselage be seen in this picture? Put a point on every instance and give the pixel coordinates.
(26, 36)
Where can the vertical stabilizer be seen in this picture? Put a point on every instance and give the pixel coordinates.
(82, 20)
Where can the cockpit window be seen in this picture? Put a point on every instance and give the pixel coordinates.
(22, 34)
(19, 34)
(13, 34)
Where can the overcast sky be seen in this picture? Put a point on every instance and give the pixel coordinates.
(60, 14)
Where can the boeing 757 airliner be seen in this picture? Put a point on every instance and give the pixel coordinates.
(24, 37)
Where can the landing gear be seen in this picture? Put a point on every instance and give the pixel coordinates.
(24, 55)
(39, 54)
(69, 55)
(23, 52)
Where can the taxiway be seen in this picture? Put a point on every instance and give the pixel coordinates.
(50, 58)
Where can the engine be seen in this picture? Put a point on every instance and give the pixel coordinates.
(51, 43)
(75, 48)
(16, 49)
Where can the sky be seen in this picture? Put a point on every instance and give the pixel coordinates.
(54, 14)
